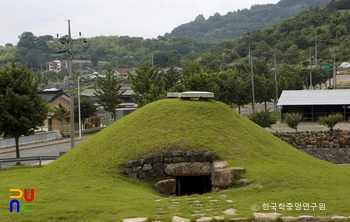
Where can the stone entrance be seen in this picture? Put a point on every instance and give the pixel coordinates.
(184, 173)
(187, 185)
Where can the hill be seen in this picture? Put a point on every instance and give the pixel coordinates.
(235, 24)
(88, 182)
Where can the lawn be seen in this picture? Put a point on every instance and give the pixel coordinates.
(88, 183)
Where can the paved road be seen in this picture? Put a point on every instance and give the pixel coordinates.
(259, 106)
(48, 150)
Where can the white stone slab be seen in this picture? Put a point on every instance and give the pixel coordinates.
(196, 94)
(173, 95)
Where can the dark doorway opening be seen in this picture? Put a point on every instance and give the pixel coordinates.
(188, 185)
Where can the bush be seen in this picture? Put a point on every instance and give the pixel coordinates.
(292, 120)
(331, 120)
(262, 118)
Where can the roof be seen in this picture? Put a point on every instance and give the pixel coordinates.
(51, 94)
(90, 92)
(125, 70)
(314, 97)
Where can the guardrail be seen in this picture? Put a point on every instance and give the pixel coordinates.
(36, 138)
(23, 159)
(95, 129)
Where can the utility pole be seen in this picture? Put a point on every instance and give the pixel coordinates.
(252, 74)
(276, 98)
(71, 85)
(310, 70)
(334, 70)
(316, 50)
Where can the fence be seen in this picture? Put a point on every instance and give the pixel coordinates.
(23, 159)
(39, 137)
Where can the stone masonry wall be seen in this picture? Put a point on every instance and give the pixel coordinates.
(152, 168)
(333, 147)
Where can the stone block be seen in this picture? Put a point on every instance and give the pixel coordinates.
(158, 159)
(137, 169)
(306, 218)
(166, 186)
(138, 163)
(223, 178)
(168, 159)
(128, 170)
(198, 158)
(141, 175)
(177, 153)
(186, 158)
(151, 174)
(159, 167)
(129, 164)
(188, 169)
(177, 159)
(136, 219)
(147, 167)
(266, 216)
(168, 154)
(148, 160)
(132, 175)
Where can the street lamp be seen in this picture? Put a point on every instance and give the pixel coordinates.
(79, 102)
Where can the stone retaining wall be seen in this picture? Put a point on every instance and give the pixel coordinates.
(333, 147)
(152, 168)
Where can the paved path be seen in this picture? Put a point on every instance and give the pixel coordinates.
(308, 126)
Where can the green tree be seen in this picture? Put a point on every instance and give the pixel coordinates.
(196, 79)
(292, 120)
(331, 120)
(148, 84)
(108, 91)
(22, 109)
(263, 118)
(171, 77)
(87, 108)
(61, 113)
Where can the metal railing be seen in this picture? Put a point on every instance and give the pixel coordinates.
(95, 129)
(23, 159)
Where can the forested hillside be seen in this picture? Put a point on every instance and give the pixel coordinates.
(235, 24)
(319, 32)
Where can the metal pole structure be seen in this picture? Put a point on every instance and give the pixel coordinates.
(252, 74)
(334, 71)
(316, 50)
(79, 106)
(310, 71)
(71, 86)
(276, 98)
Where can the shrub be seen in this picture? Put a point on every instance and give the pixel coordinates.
(331, 120)
(292, 120)
(262, 118)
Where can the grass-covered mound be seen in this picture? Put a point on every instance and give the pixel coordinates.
(88, 183)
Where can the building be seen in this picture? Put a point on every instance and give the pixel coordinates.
(315, 103)
(56, 65)
(54, 97)
(123, 72)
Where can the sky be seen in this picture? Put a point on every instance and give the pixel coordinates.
(134, 18)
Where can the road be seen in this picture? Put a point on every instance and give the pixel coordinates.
(49, 150)
(258, 106)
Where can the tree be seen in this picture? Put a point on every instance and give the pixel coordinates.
(263, 118)
(292, 120)
(196, 79)
(61, 113)
(108, 91)
(331, 120)
(87, 108)
(171, 77)
(148, 84)
(22, 109)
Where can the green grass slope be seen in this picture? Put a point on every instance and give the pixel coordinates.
(88, 183)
